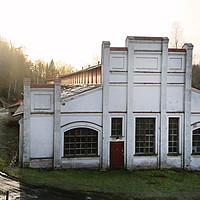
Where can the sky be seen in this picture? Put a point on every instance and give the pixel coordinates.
(73, 30)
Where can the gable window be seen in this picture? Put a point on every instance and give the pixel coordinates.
(196, 141)
(173, 136)
(80, 142)
(145, 136)
(116, 126)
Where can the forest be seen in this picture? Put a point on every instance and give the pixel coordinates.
(15, 65)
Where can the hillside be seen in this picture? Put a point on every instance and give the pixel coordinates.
(8, 143)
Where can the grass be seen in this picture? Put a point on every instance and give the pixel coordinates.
(119, 184)
(116, 184)
(8, 145)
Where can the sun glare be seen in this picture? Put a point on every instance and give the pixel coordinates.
(73, 30)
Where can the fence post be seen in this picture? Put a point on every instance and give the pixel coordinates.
(7, 195)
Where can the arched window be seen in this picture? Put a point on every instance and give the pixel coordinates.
(80, 142)
(196, 141)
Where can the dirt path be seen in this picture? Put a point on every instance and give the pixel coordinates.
(7, 184)
(3, 111)
(21, 191)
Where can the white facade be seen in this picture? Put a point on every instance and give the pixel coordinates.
(146, 94)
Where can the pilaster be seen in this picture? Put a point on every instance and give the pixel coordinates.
(130, 140)
(26, 136)
(105, 120)
(21, 138)
(187, 137)
(162, 150)
(57, 148)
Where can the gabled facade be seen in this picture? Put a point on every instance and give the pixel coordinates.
(143, 114)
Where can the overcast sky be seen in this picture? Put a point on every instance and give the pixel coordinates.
(73, 30)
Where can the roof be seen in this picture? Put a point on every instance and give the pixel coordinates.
(42, 85)
(71, 90)
(176, 50)
(14, 105)
(118, 48)
(20, 110)
(76, 72)
(147, 38)
(196, 88)
(83, 70)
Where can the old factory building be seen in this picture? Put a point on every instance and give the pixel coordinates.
(134, 110)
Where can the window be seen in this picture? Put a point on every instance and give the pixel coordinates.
(145, 136)
(173, 136)
(116, 129)
(80, 142)
(196, 141)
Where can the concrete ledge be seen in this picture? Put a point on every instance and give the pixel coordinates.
(41, 163)
(85, 162)
(174, 161)
(145, 162)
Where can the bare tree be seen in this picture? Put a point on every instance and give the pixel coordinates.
(95, 59)
(64, 68)
(176, 36)
(195, 76)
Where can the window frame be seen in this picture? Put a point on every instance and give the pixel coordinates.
(144, 129)
(198, 152)
(121, 126)
(178, 136)
(86, 136)
(118, 115)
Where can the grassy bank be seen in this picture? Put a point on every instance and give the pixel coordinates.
(8, 144)
(116, 184)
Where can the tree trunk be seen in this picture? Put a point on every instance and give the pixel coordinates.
(9, 89)
(15, 86)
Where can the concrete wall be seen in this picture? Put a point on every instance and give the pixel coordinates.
(82, 111)
(195, 121)
(90, 101)
(144, 79)
(39, 115)
(41, 136)
(41, 123)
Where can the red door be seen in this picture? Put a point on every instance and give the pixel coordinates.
(116, 155)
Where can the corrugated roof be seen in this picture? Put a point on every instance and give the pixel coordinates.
(83, 70)
(71, 90)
